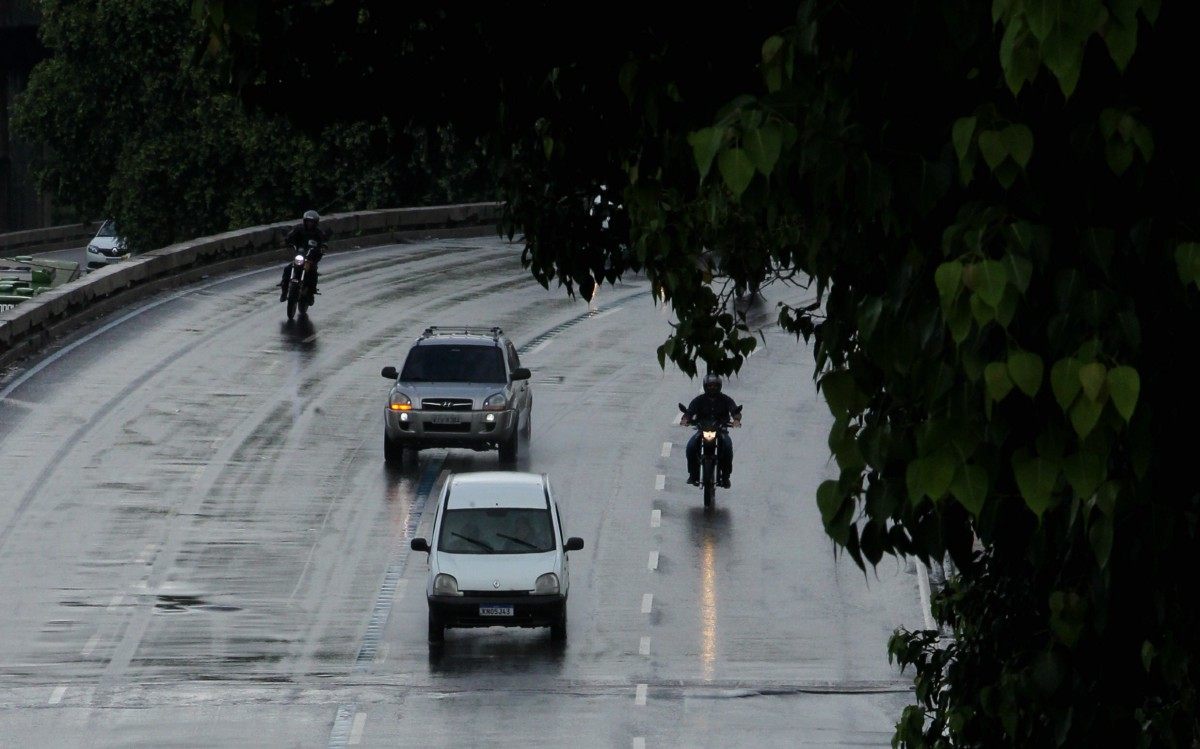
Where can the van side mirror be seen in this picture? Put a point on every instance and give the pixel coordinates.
(419, 544)
(520, 373)
(389, 372)
(574, 543)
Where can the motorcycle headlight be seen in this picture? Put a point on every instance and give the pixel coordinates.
(298, 261)
(709, 436)
(400, 402)
(445, 585)
(495, 402)
(546, 585)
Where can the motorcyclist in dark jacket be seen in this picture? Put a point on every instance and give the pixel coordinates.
(712, 404)
(298, 238)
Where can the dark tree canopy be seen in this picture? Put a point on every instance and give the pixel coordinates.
(136, 125)
(997, 204)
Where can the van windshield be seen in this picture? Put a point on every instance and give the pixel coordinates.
(496, 530)
(440, 363)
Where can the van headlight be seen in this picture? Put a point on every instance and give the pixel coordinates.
(495, 402)
(546, 585)
(445, 585)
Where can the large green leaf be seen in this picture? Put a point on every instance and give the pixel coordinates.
(948, 278)
(1026, 370)
(841, 393)
(970, 488)
(705, 144)
(991, 145)
(997, 381)
(1036, 477)
(992, 278)
(961, 134)
(1187, 261)
(1122, 41)
(1085, 472)
(763, 144)
(1064, 381)
(1092, 378)
(736, 169)
(1124, 385)
(829, 500)
(1018, 141)
(1084, 415)
(930, 476)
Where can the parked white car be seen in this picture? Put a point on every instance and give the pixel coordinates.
(107, 246)
(498, 555)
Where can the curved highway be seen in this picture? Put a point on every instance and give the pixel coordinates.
(200, 544)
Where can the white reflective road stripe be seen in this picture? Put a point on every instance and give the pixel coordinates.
(647, 602)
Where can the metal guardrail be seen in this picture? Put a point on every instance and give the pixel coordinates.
(32, 323)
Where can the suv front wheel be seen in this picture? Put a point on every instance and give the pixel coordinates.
(508, 449)
(393, 451)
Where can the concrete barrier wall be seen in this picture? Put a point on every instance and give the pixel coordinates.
(31, 241)
(31, 324)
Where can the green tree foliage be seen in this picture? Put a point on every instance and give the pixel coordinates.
(136, 125)
(997, 207)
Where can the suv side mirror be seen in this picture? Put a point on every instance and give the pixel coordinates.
(389, 372)
(420, 544)
(574, 543)
(520, 373)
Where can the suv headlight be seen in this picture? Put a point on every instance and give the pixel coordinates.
(546, 585)
(495, 402)
(399, 402)
(446, 585)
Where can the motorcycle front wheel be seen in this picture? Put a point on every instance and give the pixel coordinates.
(291, 310)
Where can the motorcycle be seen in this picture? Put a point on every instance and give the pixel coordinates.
(709, 447)
(300, 293)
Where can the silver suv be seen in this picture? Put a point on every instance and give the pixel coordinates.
(459, 387)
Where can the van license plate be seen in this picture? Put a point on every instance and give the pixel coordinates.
(495, 610)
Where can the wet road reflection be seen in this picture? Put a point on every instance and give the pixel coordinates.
(706, 528)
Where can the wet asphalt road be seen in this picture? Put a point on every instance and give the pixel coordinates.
(200, 545)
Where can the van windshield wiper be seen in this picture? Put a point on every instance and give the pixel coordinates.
(521, 541)
(477, 542)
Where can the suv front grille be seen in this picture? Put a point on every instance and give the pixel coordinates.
(446, 404)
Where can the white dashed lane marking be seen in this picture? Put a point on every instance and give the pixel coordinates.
(644, 646)
(356, 731)
(91, 645)
(655, 518)
(647, 602)
(666, 451)
(653, 564)
(639, 742)
(660, 481)
(639, 697)
(57, 695)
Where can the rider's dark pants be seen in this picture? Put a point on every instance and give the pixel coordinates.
(724, 455)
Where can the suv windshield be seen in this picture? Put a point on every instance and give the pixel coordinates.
(496, 530)
(440, 363)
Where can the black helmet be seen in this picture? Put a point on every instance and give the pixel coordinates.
(312, 216)
(712, 383)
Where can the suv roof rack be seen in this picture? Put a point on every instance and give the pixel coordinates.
(433, 330)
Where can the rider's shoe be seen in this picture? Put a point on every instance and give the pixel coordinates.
(283, 295)
(693, 481)
(724, 482)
